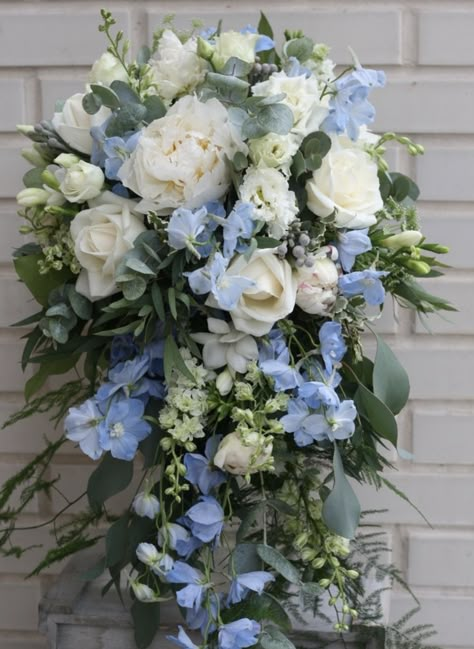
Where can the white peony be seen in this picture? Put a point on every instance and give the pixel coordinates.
(224, 345)
(107, 69)
(317, 286)
(302, 97)
(181, 159)
(80, 181)
(234, 44)
(241, 457)
(178, 69)
(274, 202)
(102, 235)
(347, 182)
(271, 298)
(73, 124)
(273, 150)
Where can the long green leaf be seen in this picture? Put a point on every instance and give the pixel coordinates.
(146, 622)
(381, 418)
(173, 359)
(111, 477)
(391, 383)
(279, 563)
(341, 509)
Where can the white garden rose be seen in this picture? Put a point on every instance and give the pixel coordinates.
(274, 203)
(73, 124)
(80, 182)
(234, 44)
(241, 457)
(317, 287)
(302, 96)
(102, 235)
(181, 159)
(271, 298)
(347, 182)
(273, 150)
(177, 69)
(107, 69)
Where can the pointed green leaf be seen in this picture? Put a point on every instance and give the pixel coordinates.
(341, 509)
(391, 383)
(264, 26)
(111, 477)
(380, 417)
(146, 622)
(273, 638)
(40, 286)
(106, 95)
(279, 563)
(245, 558)
(173, 359)
(157, 299)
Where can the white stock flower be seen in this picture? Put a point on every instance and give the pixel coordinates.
(274, 202)
(73, 124)
(146, 505)
(80, 181)
(317, 286)
(224, 345)
(107, 69)
(181, 159)
(102, 235)
(270, 299)
(178, 69)
(240, 457)
(148, 554)
(347, 182)
(273, 150)
(234, 44)
(302, 97)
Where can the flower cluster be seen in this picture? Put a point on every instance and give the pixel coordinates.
(213, 223)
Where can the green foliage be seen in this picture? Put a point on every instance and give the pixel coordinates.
(40, 286)
(110, 478)
(341, 509)
(391, 383)
(401, 636)
(278, 562)
(146, 622)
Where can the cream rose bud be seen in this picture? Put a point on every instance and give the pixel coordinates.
(234, 44)
(317, 287)
(177, 69)
(275, 204)
(181, 159)
(80, 182)
(273, 150)
(240, 457)
(106, 69)
(102, 235)
(73, 124)
(271, 298)
(347, 183)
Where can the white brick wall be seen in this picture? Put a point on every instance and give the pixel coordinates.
(426, 47)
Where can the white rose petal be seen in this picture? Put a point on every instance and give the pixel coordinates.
(73, 124)
(234, 44)
(236, 456)
(181, 159)
(347, 182)
(107, 69)
(81, 182)
(102, 235)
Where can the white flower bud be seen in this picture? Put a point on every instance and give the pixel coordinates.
(148, 554)
(402, 240)
(34, 157)
(66, 160)
(238, 456)
(224, 382)
(146, 504)
(81, 182)
(142, 592)
(32, 196)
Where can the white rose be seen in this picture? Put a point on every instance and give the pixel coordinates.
(271, 298)
(106, 69)
(269, 192)
(347, 182)
(181, 159)
(178, 69)
(240, 457)
(317, 287)
(273, 150)
(80, 182)
(234, 44)
(302, 97)
(102, 235)
(73, 124)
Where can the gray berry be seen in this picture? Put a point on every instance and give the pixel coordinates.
(291, 242)
(282, 249)
(304, 239)
(299, 262)
(298, 252)
(309, 261)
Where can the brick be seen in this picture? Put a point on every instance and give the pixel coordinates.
(459, 293)
(19, 609)
(30, 559)
(16, 302)
(54, 37)
(13, 167)
(434, 48)
(415, 107)
(451, 553)
(7, 470)
(23, 641)
(53, 90)
(443, 435)
(11, 238)
(453, 230)
(12, 379)
(374, 34)
(13, 99)
(444, 174)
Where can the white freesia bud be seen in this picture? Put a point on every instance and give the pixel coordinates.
(106, 69)
(25, 129)
(240, 457)
(34, 157)
(66, 160)
(148, 554)
(402, 240)
(142, 592)
(81, 182)
(32, 196)
(224, 382)
(317, 287)
(146, 505)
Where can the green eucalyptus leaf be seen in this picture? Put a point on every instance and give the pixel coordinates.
(34, 178)
(61, 309)
(110, 478)
(155, 108)
(252, 129)
(240, 161)
(40, 286)
(236, 67)
(341, 509)
(81, 306)
(134, 289)
(91, 103)
(126, 94)
(378, 414)
(249, 518)
(158, 303)
(245, 558)
(138, 266)
(273, 638)
(390, 380)
(278, 562)
(300, 48)
(106, 95)
(276, 118)
(267, 242)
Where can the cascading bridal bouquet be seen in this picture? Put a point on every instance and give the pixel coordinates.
(211, 228)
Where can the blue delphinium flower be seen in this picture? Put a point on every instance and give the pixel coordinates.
(117, 150)
(200, 619)
(191, 596)
(199, 471)
(123, 348)
(239, 634)
(82, 425)
(264, 42)
(237, 228)
(244, 583)
(293, 422)
(98, 139)
(337, 422)
(293, 68)
(183, 640)
(126, 378)
(278, 368)
(332, 343)
(366, 283)
(316, 394)
(350, 244)
(205, 519)
(184, 228)
(212, 278)
(123, 428)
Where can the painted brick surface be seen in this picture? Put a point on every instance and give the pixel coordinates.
(45, 50)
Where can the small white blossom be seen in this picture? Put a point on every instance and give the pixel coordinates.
(146, 504)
